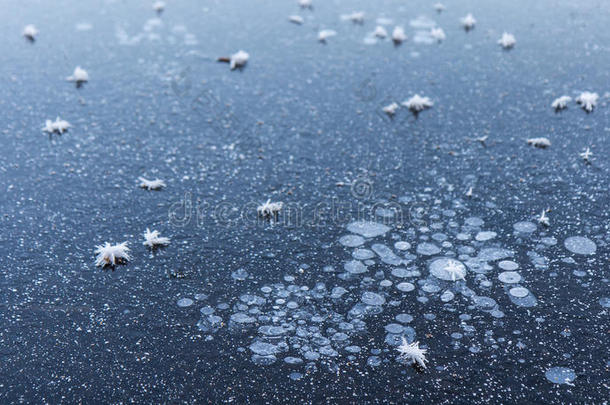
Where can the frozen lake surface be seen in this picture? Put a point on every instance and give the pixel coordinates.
(395, 228)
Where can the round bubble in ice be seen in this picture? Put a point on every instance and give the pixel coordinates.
(508, 265)
(371, 298)
(447, 269)
(402, 245)
(519, 292)
(355, 267)
(427, 249)
(509, 277)
(524, 227)
(580, 245)
(485, 235)
(185, 302)
(560, 375)
(405, 287)
(604, 302)
(351, 240)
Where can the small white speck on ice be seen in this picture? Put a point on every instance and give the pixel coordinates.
(561, 102)
(390, 109)
(507, 40)
(380, 32)
(356, 17)
(296, 19)
(155, 184)
(158, 6)
(468, 21)
(60, 126)
(398, 35)
(439, 7)
(325, 34)
(305, 3)
(30, 32)
(239, 59)
(438, 34)
(418, 103)
(152, 239)
(587, 100)
(540, 142)
(79, 75)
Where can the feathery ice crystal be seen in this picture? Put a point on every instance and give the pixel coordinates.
(587, 100)
(324, 34)
(540, 142)
(355, 17)
(543, 219)
(380, 32)
(468, 22)
(418, 103)
(438, 34)
(297, 19)
(390, 109)
(561, 102)
(305, 3)
(79, 76)
(239, 59)
(412, 353)
(59, 126)
(507, 40)
(30, 32)
(158, 6)
(269, 209)
(109, 255)
(454, 268)
(398, 35)
(586, 155)
(151, 239)
(155, 184)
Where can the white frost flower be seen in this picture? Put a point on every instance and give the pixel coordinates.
(325, 34)
(109, 255)
(355, 17)
(79, 76)
(587, 100)
(418, 103)
(239, 59)
(380, 32)
(412, 353)
(438, 34)
(59, 126)
(297, 19)
(439, 7)
(540, 142)
(305, 3)
(30, 32)
(543, 219)
(507, 40)
(561, 102)
(151, 239)
(390, 109)
(468, 22)
(155, 184)
(455, 268)
(586, 155)
(398, 35)
(158, 6)
(269, 209)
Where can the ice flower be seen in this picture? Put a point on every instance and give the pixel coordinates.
(398, 35)
(380, 32)
(587, 100)
(269, 209)
(155, 184)
(561, 102)
(438, 34)
(79, 76)
(109, 255)
(152, 239)
(390, 109)
(60, 126)
(439, 7)
(158, 6)
(586, 155)
(412, 353)
(418, 103)
(355, 17)
(324, 34)
(305, 3)
(455, 268)
(507, 40)
(543, 219)
(238, 59)
(297, 19)
(540, 142)
(30, 32)
(468, 22)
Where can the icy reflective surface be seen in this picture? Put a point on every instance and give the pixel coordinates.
(379, 240)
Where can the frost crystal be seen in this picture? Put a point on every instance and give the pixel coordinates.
(418, 103)
(456, 270)
(587, 100)
(79, 76)
(324, 34)
(158, 6)
(507, 40)
(59, 126)
(561, 102)
(439, 7)
(109, 255)
(468, 22)
(586, 155)
(151, 239)
(305, 3)
(398, 35)
(543, 219)
(30, 32)
(390, 109)
(269, 209)
(539, 142)
(412, 353)
(438, 34)
(297, 19)
(356, 17)
(380, 32)
(239, 59)
(155, 184)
